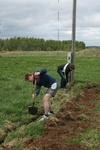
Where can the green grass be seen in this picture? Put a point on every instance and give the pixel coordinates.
(91, 139)
(15, 93)
(87, 69)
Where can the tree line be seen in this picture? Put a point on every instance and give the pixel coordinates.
(36, 44)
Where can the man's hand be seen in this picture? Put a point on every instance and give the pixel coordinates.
(33, 96)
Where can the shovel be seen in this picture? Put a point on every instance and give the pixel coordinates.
(33, 109)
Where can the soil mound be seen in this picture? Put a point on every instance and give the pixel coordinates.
(76, 116)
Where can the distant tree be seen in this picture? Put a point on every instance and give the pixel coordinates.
(80, 45)
(1, 44)
(36, 44)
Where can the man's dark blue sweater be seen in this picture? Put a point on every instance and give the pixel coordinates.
(44, 79)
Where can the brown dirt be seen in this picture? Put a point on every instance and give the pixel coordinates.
(76, 116)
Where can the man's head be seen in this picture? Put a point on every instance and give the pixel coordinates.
(29, 77)
(72, 67)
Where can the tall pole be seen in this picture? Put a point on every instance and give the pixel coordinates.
(73, 38)
(58, 20)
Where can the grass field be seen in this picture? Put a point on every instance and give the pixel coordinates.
(15, 93)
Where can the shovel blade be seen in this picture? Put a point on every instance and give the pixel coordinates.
(32, 110)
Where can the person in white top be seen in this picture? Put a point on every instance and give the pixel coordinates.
(63, 70)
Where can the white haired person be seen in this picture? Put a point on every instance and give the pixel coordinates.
(48, 81)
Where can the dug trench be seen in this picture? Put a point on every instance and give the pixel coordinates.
(70, 122)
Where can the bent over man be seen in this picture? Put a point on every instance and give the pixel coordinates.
(48, 81)
(63, 70)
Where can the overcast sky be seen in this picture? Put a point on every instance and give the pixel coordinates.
(39, 19)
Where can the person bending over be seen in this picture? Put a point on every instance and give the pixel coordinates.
(63, 70)
(44, 79)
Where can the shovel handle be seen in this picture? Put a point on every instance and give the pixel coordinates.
(33, 103)
(35, 86)
(34, 91)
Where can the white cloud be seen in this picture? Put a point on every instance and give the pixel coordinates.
(39, 18)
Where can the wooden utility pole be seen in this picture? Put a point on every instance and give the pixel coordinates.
(73, 38)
